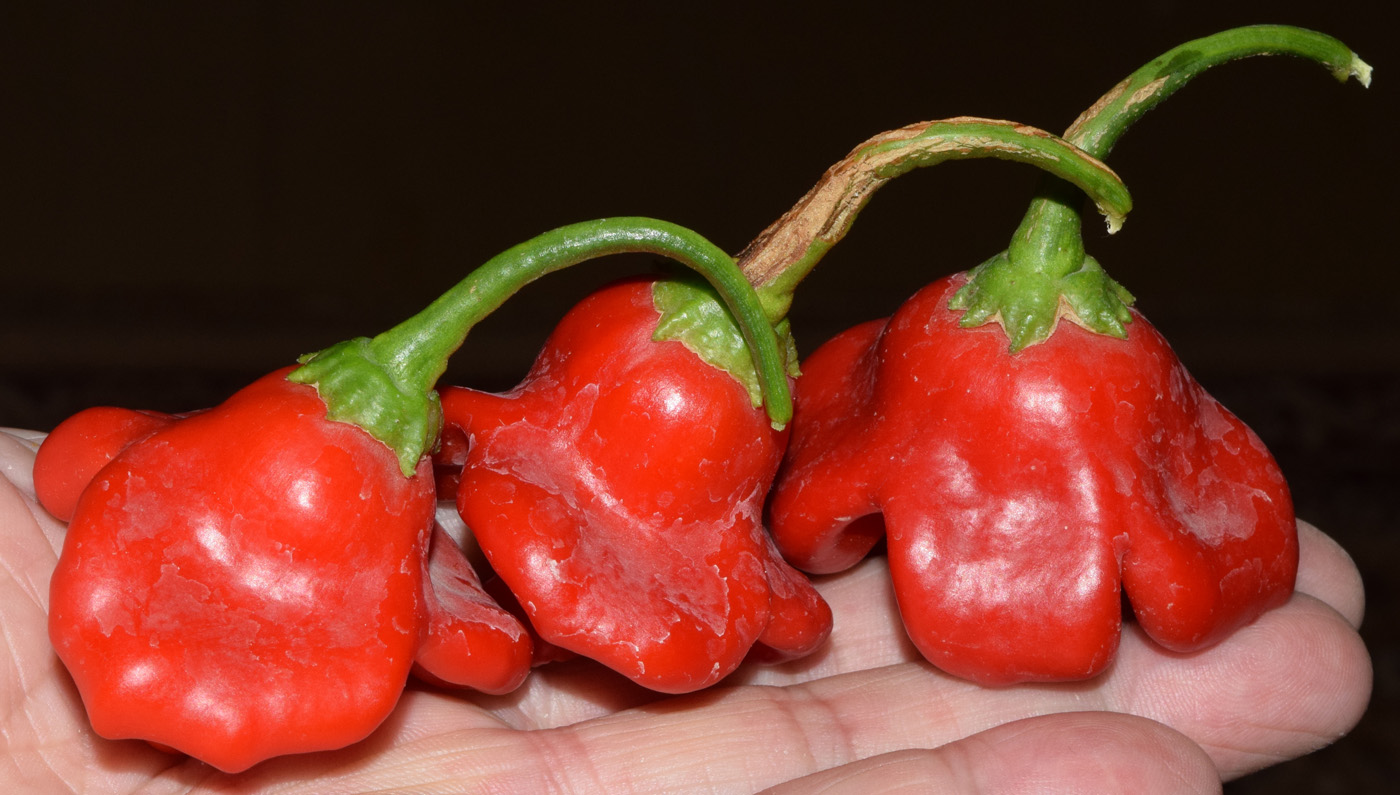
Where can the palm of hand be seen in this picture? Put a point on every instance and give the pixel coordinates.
(865, 706)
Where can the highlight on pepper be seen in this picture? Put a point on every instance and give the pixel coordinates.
(261, 578)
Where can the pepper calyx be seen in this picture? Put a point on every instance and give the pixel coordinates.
(360, 390)
(1046, 275)
(1028, 303)
(693, 314)
(784, 253)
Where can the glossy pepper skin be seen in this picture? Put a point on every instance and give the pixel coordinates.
(618, 492)
(1029, 473)
(257, 579)
(1017, 492)
(467, 638)
(80, 446)
(246, 582)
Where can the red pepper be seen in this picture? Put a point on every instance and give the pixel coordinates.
(469, 640)
(1015, 491)
(249, 581)
(618, 490)
(80, 446)
(1017, 486)
(245, 582)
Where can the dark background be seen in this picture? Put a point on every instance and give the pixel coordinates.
(194, 194)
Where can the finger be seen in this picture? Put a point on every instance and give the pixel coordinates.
(1042, 754)
(1281, 687)
(744, 739)
(1295, 680)
(27, 552)
(17, 448)
(867, 631)
(1327, 572)
(47, 742)
(656, 751)
(720, 740)
(868, 634)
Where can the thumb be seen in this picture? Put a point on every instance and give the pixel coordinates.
(1068, 752)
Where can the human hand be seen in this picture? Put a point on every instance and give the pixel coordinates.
(864, 714)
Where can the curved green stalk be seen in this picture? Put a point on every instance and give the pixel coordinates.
(1099, 127)
(787, 250)
(385, 384)
(1045, 274)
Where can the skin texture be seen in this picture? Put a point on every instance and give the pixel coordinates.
(618, 492)
(1023, 495)
(464, 638)
(468, 639)
(194, 558)
(864, 714)
(82, 445)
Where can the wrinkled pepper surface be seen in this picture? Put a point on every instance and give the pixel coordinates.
(259, 578)
(618, 490)
(1016, 491)
(245, 582)
(1023, 469)
(618, 493)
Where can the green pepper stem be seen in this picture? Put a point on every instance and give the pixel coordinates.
(779, 258)
(407, 360)
(1098, 128)
(1048, 248)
